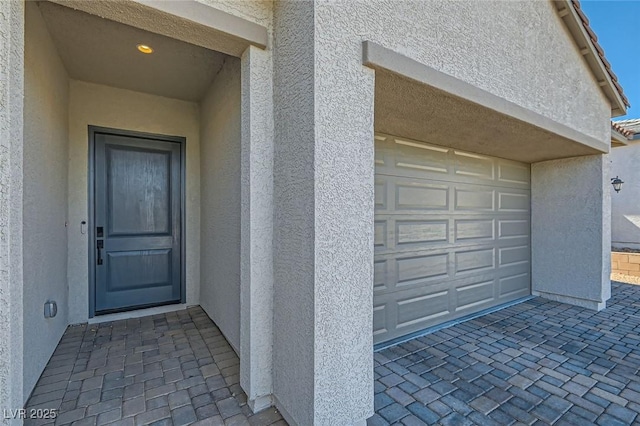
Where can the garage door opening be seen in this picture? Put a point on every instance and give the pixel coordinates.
(452, 234)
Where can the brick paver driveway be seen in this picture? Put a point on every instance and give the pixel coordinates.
(538, 362)
(169, 369)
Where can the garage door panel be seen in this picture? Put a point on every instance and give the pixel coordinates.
(420, 159)
(515, 174)
(514, 255)
(401, 157)
(452, 235)
(425, 284)
(412, 270)
(419, 269)
(380, 194)
(402, 195)
(514, 286)
(380, 234)
(472, 165)
(406, 310)
(410, 232)
(514, 228)
(472, 295)
(446, 178)
(512, 269)
(381, 274)
(413, 273)
(382, 153)
(474, 261)
(393, 249)
(414, 195)
(407, 290)
(474, 230)
(514, 202)
(474, 199)
(380, 319)
(422, 309)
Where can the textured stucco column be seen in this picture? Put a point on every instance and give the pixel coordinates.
(256, 235)
(323, 234)
(11, 125)
(571, 230)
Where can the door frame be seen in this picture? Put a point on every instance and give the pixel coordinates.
(92, 130)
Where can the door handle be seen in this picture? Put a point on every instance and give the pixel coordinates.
(100, 246)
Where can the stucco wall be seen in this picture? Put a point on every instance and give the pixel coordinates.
(45, 195)
(220, 198)
(93, 104)
(344, 211)
(323, 231)
(570, 230)
(625, 210)
(11, 129)
(517, 50)
(294, 218)
(256, 234)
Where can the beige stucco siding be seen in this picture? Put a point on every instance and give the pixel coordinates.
(97, 105)
(45, 195)
(293, 232)
(570, 210)
(11, 194)
(519, 51)
(323, 173)
(220, 189)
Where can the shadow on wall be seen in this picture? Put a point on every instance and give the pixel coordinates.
(626, 231)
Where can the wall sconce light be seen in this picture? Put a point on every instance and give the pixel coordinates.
(617, 183)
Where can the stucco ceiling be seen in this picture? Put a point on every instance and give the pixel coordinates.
(102, 51)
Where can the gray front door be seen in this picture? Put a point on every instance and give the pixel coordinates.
(137, 226)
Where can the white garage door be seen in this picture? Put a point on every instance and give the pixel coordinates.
(452, 235)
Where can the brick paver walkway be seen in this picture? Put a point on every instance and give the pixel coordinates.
(169, 369)
(538, 362)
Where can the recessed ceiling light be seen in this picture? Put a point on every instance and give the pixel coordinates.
(144, 48)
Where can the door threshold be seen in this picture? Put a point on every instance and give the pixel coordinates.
(137, 313)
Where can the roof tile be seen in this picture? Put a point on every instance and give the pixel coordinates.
(627, 127)
(600, 50)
